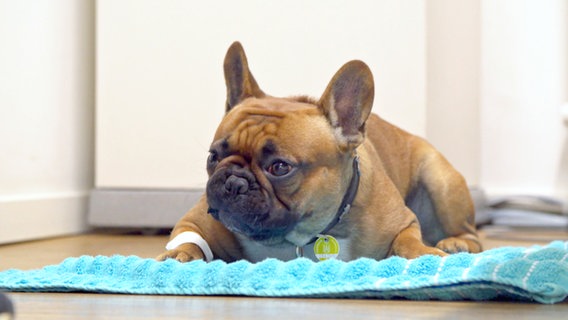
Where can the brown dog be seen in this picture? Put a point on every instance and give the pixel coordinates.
(284, 170)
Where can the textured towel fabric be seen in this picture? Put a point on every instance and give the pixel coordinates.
(528, 274)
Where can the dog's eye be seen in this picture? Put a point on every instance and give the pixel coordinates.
(279, 168)
(213, 158)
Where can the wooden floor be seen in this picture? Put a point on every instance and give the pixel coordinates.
(31, 255)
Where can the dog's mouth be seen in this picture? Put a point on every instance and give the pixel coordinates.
(238, 201)
(260, 228)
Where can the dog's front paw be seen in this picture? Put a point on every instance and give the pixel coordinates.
(416, 250)
(453, 245)
(184, 253)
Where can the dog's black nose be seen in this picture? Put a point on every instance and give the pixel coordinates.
(236, 185)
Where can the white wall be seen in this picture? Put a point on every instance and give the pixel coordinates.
(46, 117)
(453, 81)
(524, 82)
(497, 75)
(160, 86)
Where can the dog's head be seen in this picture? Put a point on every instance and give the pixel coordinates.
(279, 167)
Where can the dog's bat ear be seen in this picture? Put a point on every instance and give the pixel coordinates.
(238, 78)
(347, 102)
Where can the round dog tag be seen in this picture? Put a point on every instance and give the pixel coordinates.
(326, 247)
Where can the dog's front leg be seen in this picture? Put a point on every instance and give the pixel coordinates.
(408, 244)
(183, 253)
(197, 235)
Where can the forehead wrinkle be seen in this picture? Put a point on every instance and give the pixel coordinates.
(276, 107)
(263, 112)
(251, 134)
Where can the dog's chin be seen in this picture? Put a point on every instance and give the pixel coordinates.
(265, 238)
(274, 241)
(266, 235)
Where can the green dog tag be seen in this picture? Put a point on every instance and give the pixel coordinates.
(326, 247)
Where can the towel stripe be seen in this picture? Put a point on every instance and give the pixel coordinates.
(528, 252)
(495, 272)
(527, 276)
(379, 282)
(466, 271)
(437, 275)
(406, 267)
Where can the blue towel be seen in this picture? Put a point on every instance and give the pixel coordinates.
(528, 274)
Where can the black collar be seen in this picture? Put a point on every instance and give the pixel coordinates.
(347, 201)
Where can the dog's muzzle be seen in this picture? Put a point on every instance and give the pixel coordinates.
(237, 200)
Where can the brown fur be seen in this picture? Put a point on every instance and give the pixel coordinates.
(399, 171)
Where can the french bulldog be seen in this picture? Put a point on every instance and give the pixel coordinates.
(285, 171)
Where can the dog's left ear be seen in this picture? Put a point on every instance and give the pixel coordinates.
(238, 78)
(347, 103)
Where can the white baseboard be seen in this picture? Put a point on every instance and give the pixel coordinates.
(36, 216)
(140, 208)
